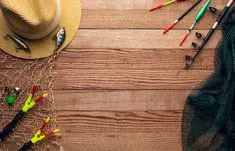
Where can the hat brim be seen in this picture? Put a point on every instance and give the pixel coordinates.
(70, 20)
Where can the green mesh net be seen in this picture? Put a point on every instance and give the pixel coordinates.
(209, 113)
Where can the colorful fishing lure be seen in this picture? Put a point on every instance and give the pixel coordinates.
(21, 45)
(60, 38)
(11, 94)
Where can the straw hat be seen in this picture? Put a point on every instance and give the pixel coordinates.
(36, 23)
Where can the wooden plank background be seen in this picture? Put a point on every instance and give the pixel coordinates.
(121, 84)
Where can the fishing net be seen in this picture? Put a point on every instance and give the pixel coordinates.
(209, 113)
(24, 74)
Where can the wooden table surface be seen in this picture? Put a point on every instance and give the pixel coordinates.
(121, 84)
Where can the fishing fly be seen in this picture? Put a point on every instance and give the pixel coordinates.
(164, 4)
(221, 16)
(199, 16)
(181, 17)
(21, 45)
(29, 103)
(39, 136)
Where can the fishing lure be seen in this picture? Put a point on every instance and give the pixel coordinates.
(21, 45)
(60, 38)
(164, 4)
(29, 103)
(221, 16)
(11, 94)
(181, 17)
(199, 16)
(39, 136)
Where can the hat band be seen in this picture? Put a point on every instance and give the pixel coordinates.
(47, 31)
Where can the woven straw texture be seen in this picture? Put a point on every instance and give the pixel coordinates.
(70, 19)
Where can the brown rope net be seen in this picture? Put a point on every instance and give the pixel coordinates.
(24, 74)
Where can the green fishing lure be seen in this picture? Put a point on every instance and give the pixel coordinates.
(11, 95)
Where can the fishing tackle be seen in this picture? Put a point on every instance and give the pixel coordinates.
(21, 45)
(29, 103)
(11, 94)
(199, 16)
(39, 136)
(164, 4)
(221, 16)
(60, 38)
(208, 116)
(181, 17)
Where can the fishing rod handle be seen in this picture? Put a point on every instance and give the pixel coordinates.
(9, 128)
(26, 146)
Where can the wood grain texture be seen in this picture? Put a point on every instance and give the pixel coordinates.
(135, 59)
(140, 19)
(129, 130)
(128, 79)
(134, 39)
(127, 59)
(120, 84)
(120, 100)
(85, 79)
(134, 14)
(137, 4)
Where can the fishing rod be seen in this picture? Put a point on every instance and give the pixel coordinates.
(164, 4)
(181, 17)
(198, 17)
(221, 15)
